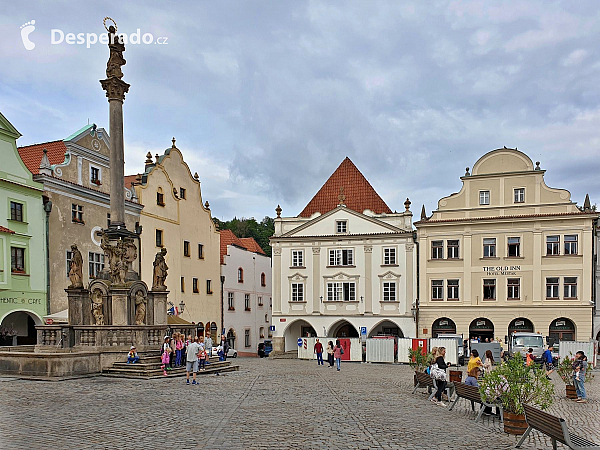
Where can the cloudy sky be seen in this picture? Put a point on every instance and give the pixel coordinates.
(267, 98)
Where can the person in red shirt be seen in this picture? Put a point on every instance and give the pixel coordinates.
(319, 351)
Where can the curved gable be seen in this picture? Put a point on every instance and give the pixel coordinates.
(503, 160)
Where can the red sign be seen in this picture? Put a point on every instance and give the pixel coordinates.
(282, 320)
(49, 321)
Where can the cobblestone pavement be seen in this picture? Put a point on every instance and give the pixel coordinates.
(267, 404)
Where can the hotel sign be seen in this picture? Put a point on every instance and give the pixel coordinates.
(501, 270)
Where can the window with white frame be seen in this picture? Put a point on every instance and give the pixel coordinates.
(489, 289)
(297, 258)
(95, 264)
(437, 249)
(520, 195)
(230, 302)
(570, 244)
(552, 245)
(260, 301)
(570, 286)
(341, 226)
(76, 213)
(297, 292)
(489, 247)
(261, 332)
(437, 289)
(247, 302)
(389, 256)
(484, 197)
(341, 291)
(453, 252)
(514, 247)
(552, 287)
(95, 175)
(341, 257)
(513, 288)
(246, 338)
(389, 291)
(453, 289)
(69, 258)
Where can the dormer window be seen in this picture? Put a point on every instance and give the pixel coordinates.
(160, 197)
(341, 226)
(484, 197)
(520, 195)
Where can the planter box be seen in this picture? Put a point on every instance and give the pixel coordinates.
(571, 392)
(514, 423)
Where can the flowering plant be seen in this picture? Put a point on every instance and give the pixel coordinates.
(514, 384)
(417, 359)
(565, 370)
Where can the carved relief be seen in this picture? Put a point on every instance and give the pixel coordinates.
(140, 308)
(409, 247)
(97, 307)
(368, 249)
(119, 257)
(316, 250)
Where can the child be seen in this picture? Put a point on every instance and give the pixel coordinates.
(132, 357)
(220, 352)
(178, 349)
(202, 358)
(529, 357)
(577, 367)
(165, 360)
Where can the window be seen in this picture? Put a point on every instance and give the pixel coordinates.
(520, 195)
(247, 338)
(341, 257)
(484, 197)
(230, 304)
(182, 284)
(200, 251)
(552, 245)
(437, 289)
(453, 249)
(489, 289)
(16, 211)
(240, 275)
(76, 213)
(159, 238)
(267, 320)
(69, 258)
(297, 258)
(247, 302)
(95, 263)
(269, 333)
(341, 291)
(552, 287)
(571, 244)
(297, 292)
(17, 260)
(209, 287)
(270, 302)
(260, 301)
(261, 332)
(195, 285)
(182, 193)
(186, 248)
(389, 256)
(437, 249)
(107, 220)
(570, 287)
(452, 289)
(514, 288)
(341, 226)
(489, 248)
(160, 197)
(389, 291)
(514, 247)
(95, 175)
(263, 279)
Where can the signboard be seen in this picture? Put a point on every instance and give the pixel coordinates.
(480, 323)
(271, 327)
(363, 330)
(501, 270)
(299, 342)
(443, 323)
(282, 320)
(519, 323)
(49, 321)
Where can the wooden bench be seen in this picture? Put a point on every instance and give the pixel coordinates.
(424, 381)
(471, 393)
(554, 427)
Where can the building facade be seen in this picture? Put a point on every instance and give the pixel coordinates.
(75, 174)
(22, 245)
(506, 253)
(175, 218)
(346, 262)
(246, 293)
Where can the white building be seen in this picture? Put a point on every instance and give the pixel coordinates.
(246, 293)
(346, 262)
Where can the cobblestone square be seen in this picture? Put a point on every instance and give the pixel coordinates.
(267, 404)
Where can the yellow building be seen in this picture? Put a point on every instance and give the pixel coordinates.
(506, 253)
(175, 218)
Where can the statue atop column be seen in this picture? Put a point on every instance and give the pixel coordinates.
(140, 308)
(76, 268)
(160, 271)
(115, 60)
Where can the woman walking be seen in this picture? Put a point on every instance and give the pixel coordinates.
(488, 365)
(330, 354)
(338, 351)
(440, 378)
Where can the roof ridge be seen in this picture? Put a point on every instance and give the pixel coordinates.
(40, 143)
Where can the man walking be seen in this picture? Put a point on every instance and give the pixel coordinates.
(547, 358)
(208, 344)
(319, 351)
(191, 364)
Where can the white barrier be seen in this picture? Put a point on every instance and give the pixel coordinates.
(306, 350)
(380, 350)
(404, 344)
(569, 348)
(451, 348)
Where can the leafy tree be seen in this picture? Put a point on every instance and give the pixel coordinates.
(260, 231)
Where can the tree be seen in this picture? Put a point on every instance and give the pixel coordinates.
(260, 231)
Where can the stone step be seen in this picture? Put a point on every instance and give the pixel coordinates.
(148, 374)
(156, 365)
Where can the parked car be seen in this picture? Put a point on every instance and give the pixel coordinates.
(232, 353)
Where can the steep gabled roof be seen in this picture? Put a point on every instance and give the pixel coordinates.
(358, 192)
(32, 154)
(251, 245)
(129, 180)
(228, 238)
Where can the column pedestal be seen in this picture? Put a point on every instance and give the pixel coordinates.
(160, 307)
(76, 301)
(120, 311)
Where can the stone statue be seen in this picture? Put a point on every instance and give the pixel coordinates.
(115, 60)
(160, 271)
(76, 269)
(140, 308)
(119, 256)
(97, 310)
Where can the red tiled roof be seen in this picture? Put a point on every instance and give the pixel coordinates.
(32, 154)
(228, 238)
(251, 245)
(129, 180)
(6, 230)
(523, 216)
(359, 193)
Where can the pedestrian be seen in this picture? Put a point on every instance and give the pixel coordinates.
(579, 370)
(330, 353)
(548, 361)
(318, 349)
(529, 357)
(220, 352)
(202, 358)
(225, 348)
(192, 360)
(178, 349)
(165, 357)
(172, 343)
(488, 365)
(132, 357)
(441, 382)
(338, 351)
(208, 345)
(474, 361)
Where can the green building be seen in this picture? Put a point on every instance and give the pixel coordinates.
(22, 245)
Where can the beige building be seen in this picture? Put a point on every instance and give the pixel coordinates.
(75, 173)
(175, 218)
(506, 253)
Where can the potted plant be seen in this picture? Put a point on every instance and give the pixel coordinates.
(417, 359)
(565, 372)
(513, 384)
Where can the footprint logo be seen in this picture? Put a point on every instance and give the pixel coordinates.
(26, 30)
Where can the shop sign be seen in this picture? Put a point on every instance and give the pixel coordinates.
(443, 323)
(519, 323)
(501, 270)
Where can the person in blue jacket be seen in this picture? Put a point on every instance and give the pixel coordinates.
(547, 358)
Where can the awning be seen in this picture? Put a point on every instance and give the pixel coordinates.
(176, 320)
(58, 317)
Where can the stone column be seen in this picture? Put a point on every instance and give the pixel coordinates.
(119, 305)
(76, 299)
(160, 307)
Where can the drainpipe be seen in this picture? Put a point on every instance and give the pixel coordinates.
(47, 209)
(417, 299)
(222, 312)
